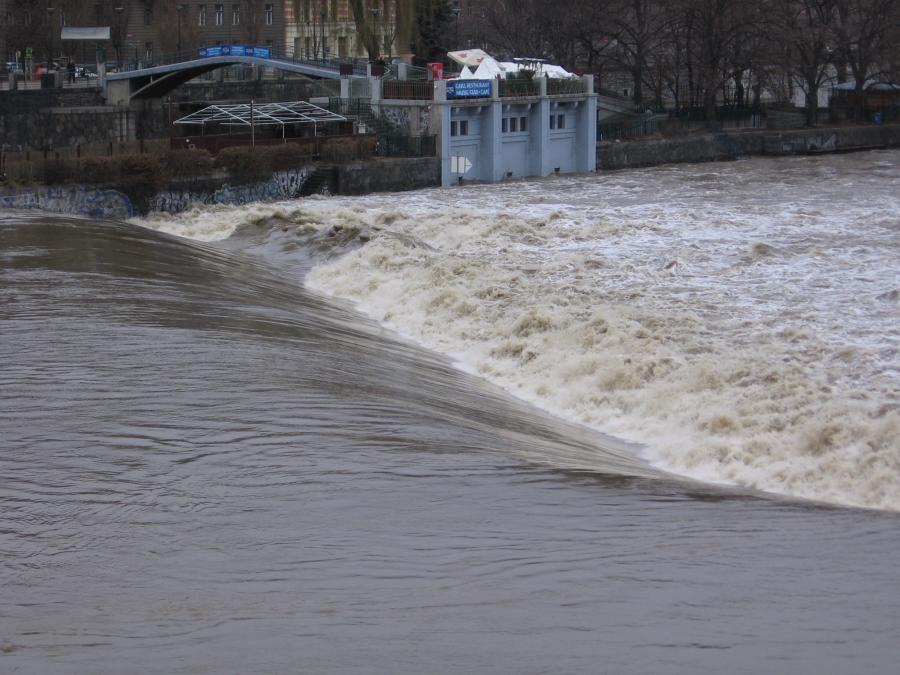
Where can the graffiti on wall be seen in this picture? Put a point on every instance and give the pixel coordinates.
(282, 185)
(71, 200)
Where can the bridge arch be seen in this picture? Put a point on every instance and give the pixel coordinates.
(158, 81)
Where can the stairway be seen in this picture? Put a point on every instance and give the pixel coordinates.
(323, 181)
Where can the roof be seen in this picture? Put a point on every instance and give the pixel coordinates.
(239, 114)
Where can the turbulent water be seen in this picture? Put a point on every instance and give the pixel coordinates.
(740, 321)
(208, 465)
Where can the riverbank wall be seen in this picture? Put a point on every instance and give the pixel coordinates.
(125, 200)
(725, 146)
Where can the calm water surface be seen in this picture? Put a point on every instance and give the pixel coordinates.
(206, 469)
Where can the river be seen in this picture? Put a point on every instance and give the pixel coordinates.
(644, 422)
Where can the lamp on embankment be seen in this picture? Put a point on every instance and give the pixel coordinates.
(180, 7)
(50, 10)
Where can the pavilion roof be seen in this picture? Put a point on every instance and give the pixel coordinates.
(239, 114)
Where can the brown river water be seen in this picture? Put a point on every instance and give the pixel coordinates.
(209, 466)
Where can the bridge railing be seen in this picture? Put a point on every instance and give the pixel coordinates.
(333, 64)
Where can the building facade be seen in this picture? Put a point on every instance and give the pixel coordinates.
(153, 31)
(144, 31)
(317, 29)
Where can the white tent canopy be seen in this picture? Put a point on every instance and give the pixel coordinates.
(487, 67)
(246, 114)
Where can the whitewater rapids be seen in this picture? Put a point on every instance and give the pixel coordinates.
(741, 322)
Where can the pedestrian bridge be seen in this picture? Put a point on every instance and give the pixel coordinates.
(157, 81)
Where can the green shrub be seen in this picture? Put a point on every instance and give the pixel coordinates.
(188, 163)
(58, 171)
(124, 170)
(290, 155)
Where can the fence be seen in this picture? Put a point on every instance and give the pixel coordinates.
(418, 90)
(562, 86)
(512, 88)
(680, 123)
(395, 145)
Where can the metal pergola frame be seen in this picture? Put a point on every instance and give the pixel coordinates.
(263, 114)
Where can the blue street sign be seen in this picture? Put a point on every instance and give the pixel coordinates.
(469, 89)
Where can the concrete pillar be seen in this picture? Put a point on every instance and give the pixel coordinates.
(118, 92)
(375, 94)
(345, 87)
(586, 138)
(492, 138)
(440, 117)
(540, 135)
(402, 70)
(440, 90)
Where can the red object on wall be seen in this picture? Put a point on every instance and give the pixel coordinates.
(437, 70)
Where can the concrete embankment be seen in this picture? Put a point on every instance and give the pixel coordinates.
(127, 200)
(733, 145)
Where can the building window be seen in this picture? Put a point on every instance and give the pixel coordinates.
(220, 14)
(270, 14)
(27, 18)
(523, 124)
(148, 17)
(235, 15)
(201, 15)
(464, 127)
(552, 121)
(454, 129)
(148, 52)
(561, 122)
(504, 125)
(513, 124)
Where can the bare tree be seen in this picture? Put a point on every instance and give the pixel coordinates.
(862, 28)
(717, 28)
(801, 31)
(638, 29)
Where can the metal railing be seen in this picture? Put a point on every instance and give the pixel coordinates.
(417, 90)
(565, 86)
(283, 55)
(391, 145)
(514, 88)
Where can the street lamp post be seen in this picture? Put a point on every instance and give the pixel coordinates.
(50, 10)
(375, 13)
(179, 8)
(324, 16)
(118, 37)
(308, 38)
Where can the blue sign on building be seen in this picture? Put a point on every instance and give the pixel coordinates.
(236, 50)
(468, 89)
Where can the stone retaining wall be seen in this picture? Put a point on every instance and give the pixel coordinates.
(727, 146)
(124, 201)
(388, 175)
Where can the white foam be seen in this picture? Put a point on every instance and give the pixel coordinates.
(736, 319)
